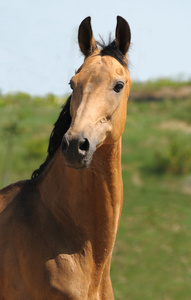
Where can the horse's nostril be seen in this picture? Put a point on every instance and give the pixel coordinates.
(64, 144)
(84, 145)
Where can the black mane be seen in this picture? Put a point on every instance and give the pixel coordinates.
(112, 50)
(60, 128)
(64, 120)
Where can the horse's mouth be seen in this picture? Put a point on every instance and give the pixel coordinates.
(77, 167)
(78, 163)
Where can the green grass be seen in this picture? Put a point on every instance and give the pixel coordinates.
(153, 85)
(151, 259)
(25, 126)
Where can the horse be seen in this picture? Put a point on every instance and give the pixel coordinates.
(58, 229)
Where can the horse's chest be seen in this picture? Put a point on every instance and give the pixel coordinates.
(65, 276)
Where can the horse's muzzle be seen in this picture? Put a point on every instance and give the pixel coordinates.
(77, 151)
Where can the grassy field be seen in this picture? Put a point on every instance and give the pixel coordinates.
(152, 255)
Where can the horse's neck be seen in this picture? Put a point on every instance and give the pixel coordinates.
(89, 199)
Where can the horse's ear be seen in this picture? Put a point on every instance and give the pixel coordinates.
(85, 37)
(122, 35)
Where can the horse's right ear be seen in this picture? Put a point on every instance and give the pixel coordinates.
(86, 40)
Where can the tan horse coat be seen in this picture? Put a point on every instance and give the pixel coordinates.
(57, 231)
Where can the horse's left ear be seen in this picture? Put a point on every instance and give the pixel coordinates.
(85, 37)
(122, 35)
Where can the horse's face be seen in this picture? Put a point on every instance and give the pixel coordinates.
(99, 99)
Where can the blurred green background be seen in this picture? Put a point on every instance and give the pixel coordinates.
(152, 254)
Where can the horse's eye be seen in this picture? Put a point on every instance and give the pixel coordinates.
(118, 87)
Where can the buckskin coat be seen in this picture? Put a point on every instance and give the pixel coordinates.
(57, 230)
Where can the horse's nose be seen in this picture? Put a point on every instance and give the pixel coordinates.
(75, 150)
(65, 144)
(83, 146)
(76, 146)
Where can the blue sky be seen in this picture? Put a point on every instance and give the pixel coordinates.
(38, 40)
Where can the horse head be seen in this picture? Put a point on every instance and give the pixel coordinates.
(99, 97)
